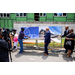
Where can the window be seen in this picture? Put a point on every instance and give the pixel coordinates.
(4, 14)
(42, 14)
(60, 14)
(21, 14)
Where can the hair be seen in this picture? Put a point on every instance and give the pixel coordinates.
(72, 29)
(0, 31)
(47, 29)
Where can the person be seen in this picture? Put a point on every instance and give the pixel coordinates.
(69, 42)
(66, 32)
(47, 40)
(12, 37)
(20, 39)
(4, 57)
(15, 40)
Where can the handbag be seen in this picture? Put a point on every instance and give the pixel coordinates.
(68, 43)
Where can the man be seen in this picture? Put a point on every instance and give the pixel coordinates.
(20, 39)
(47, 40)
(66, 32)
(4, 57)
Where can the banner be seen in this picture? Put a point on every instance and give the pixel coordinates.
(32, 32)
(55, 32)
(39, 32)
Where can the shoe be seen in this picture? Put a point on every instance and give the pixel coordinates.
(46, 54)
(68, 55)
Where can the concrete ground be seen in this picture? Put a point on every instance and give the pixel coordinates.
(38, 56)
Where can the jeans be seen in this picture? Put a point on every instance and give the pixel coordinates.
(46, 49)
(21, 45)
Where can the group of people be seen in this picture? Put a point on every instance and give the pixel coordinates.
(69, 41)
(68, 44)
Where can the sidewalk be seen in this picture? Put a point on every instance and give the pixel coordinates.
(38, 56)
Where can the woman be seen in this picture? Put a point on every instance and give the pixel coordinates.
(69, 42)
(15, 40)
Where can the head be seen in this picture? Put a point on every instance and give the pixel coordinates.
(14, 32)
(0, 33)
(66, 28)
(71, 30)
(22, 29)
(47, 29)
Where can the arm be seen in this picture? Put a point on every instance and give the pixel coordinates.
(55, 36)
(26, 36)
(5, 45)
(46, 38)
(64, 34)
(70, 38)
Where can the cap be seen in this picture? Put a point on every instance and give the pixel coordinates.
(0, 29)
(22, 28)
(14, 30)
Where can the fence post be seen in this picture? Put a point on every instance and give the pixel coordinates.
(37, 43)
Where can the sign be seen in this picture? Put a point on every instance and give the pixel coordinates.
(32, 32)
(39, 32)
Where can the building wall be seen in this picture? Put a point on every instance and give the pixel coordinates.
(8, 22)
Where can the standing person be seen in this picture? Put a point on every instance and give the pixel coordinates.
(4, 57)
(47, 40)
(12, 37)
(66, 32)
(20, 39)
(15, 40)
(69, 42)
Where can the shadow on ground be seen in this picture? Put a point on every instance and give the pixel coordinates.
(68, 59)
(35, 53)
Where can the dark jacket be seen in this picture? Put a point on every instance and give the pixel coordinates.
(47, 37)
(72, 35)
(21, 35)
(65, 33)
(4, 51)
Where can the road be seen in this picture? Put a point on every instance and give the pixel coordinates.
(38, 56)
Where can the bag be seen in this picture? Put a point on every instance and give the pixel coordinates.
(68, 43)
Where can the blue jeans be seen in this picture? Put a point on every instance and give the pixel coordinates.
(21, 45)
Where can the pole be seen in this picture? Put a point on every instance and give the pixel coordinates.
(36, 43)
(61, 37)
(10, 56)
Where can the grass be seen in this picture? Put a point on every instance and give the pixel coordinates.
(52, 44)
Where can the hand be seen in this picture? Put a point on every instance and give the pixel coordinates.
(67, 38)
(28, 37)
(8, 41)
(44, 43)
(60, 35)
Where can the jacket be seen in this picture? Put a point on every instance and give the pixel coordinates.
(47, 37)
(3, 51)
(65, 33)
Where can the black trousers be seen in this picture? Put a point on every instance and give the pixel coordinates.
(46, 48)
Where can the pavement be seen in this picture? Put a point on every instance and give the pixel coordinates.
(38, 56)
